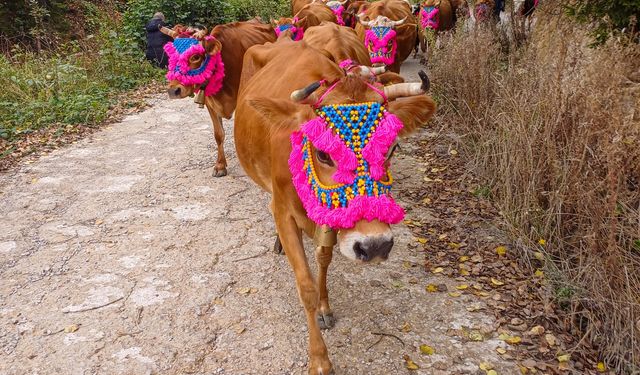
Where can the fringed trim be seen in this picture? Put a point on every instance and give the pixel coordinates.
(338, 12)
(382, 208)
(430, 19)
(375, 151)
(213, 71)
(326, 140)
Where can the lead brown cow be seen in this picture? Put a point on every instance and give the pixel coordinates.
(210, 65)
(323, 152)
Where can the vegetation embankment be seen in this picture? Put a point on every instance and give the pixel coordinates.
(552, 124)
(65, 64)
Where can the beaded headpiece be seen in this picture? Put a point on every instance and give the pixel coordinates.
(381, 44)
(358, 138)
(210, 72)
(296, 32)
(429, 17)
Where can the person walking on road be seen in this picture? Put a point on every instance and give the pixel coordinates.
(156, 40)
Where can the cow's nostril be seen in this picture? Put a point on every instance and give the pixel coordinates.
(360, 252)
(175, 91)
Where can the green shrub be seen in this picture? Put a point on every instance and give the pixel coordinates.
(607, 15)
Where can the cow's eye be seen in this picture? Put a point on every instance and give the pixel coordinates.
(324, 158)
(195, 59)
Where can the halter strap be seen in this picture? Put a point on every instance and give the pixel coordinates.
(333, 86)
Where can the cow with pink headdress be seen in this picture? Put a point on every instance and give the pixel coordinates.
(435, 16)
(388, 30)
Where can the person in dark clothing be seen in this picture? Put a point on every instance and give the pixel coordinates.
(156, 40)
(499, 7)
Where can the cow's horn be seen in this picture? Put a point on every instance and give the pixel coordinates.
(378, 69)
(425, 80)
(398, 23)
(168, 31)
(400, 90)
(365, 23)
(302, 94)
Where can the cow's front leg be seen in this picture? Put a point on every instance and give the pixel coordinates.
(218, 133)
(291, 238)
(324, 255)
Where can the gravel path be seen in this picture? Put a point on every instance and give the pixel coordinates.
(121, 254)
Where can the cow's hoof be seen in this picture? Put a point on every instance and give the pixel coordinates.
(219, 172)
(326, 321)
(277, 246)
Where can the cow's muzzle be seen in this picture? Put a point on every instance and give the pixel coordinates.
(174, 92)
(373, 249)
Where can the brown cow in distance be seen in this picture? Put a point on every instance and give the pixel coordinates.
(378, 23)
(308, 16)
(216, 60)
(435, 16)
(314, 167)
(341, 43)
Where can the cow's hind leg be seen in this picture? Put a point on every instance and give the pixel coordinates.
(277, 246)
(218, 132)
(323, 258)
(291, 238)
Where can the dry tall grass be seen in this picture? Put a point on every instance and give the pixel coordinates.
(555, 130)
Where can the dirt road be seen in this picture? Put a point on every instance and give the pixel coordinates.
(121, 254)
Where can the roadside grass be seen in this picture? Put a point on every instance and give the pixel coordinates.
(553, 128)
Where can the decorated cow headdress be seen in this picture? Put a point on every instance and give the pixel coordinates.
(359, 138)
(380, 39)
(208, 75)
(289, 24)
(429, 16)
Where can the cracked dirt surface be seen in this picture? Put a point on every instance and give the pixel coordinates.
(164, 269)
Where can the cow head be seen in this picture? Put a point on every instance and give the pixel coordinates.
(483, 10)
(380, 39)
(195, 63)
(350, 15)
(341, 155)
(289, 27)
(338, 8)
(430, 14)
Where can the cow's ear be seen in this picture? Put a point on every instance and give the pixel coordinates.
(302, 22)
(413, 111)
(212, 45)
(276, 111)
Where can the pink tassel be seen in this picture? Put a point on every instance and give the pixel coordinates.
(376, 150)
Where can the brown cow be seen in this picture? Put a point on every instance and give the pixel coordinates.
(318, 179)
(435, 16)
(351, 12)
(310, 15)
(389, 33)
(213, 69)
(341, 43)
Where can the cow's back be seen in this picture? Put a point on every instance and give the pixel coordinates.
(274, 71)
(338, 41)
(236, 38)
(314, 14)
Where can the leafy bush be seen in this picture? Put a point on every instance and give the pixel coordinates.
(206, 13)
(607, 15)
(75, 86)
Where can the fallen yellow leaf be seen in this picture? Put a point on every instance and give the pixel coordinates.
(463, 259)
(492, 372)
(411, 365)
(431, 288)
(453, 152)
(454, 245)
(539, 273)
(539, 256)
(564, 358)
(486, 366)
(462, 287)
(501, 250)
(464, 272)
(476, 336)
(422, 240)
(537, 330)
(551, 339)
(438, 270)
(496, 282)
(601, 367)
(442, 237)
(406, 327)
(501, 350)
(455, 294)
(542, 242)
(426, 349)
(72, 328)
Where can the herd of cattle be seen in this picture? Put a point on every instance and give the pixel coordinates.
(319, 107)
